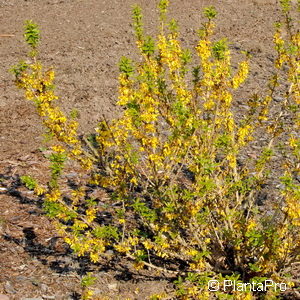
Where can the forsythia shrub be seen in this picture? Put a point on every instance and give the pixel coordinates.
(179, 190)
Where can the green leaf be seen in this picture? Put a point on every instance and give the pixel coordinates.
(210, 12)
(88, 280)
(219, 48)
(108, 231)
(19, 68)
(32, 34)
(29, 182)
(137, 22)
(125, 66)
(149, 46)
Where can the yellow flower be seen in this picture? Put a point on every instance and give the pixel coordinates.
(58, 148)
(241, 75)
(76, 151)
(91, 214)
(147, 245)
(133, 180)
(231, 160)
(39, 190)
(203, 49)
(252, 224)
(54, 195)
(122, 247)
(133, 241)
(293, 142)
(94, 257)
(87, 294)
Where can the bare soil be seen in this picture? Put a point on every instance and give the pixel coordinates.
(83, 41)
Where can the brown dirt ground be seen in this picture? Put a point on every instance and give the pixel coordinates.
(83, 40)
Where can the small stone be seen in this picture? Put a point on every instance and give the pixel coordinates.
(109, 252)
(44, 288)
(9, 288)
(278, 99)
(97, 292)
(35, 282)
(21, 278)
(48, 297)
(22, 267)
(72, 175)
(32, 299)
(112, 286)
(3, 297)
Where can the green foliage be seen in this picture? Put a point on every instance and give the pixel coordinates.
(173, 26)
(32, 36)
(108, 232)
(29, 182)
(88, 280)
(57, 162)
(52, 209)
(163, 6)
(148, 46)
(125, 66)
(19, 68)
(144, 211)
(286, 5)
(137, 22)
(210, 12)
(74, 114)
(219, 48)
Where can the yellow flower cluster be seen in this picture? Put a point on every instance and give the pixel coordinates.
(293, 209)
(54, 195)
(38, 87)
(94, 247)
(170, 52)
(241, 75)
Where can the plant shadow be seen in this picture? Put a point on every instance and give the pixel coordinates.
(62, 260)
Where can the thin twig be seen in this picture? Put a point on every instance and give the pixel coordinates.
(90, 145)
(153, 266)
